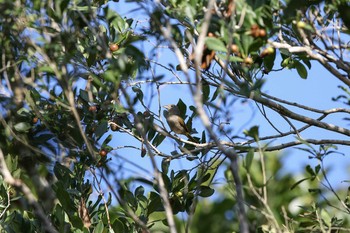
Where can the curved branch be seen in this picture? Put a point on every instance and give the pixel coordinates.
(295, 143)
(333, 110)
(286, 112)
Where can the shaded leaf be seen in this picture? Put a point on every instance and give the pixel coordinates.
(205, 191)
(215, 44)
(301, 69)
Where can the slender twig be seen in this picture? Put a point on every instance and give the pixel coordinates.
(244, 227)
(101, 194)
(7, 205)
(288, 113)
(269, 214)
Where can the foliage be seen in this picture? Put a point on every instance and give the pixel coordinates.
(81, 93)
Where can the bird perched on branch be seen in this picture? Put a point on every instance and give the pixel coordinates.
(176, 122)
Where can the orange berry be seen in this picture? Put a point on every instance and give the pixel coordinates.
(114, 127)
(210, 34)
(103, 153)
(146, 114)
(113, 47)
(248, 60)
(35, 120)
(262, 32)
(255, 30)
(234, 49)
(92, 108)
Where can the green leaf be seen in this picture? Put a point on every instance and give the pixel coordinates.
(155, 204)
(301, 69)
(158, 139)
(307, 62)
(285, 52)
(215, 44)
(317, 169)
(205, 91)
(106, 141)
(252, 132)
(64, 198)
(165, 165)
(182, 107)
(115, 20)
(101, 129)
(255, 46)
(298, 182)
(112, 76)
(139, 191)
(62, 172)
(205, 191)
(84, 95)
(24, 112)
(99, 228)
(269, 61)
(249, 159)
(310, 170)
(139, 93)
(119, 225)
(130, 199)
(22, 127)
(12, 163)
(46, 69)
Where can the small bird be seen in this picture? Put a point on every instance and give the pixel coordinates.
(176, 122)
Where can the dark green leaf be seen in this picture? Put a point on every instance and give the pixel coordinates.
(130, 199)
(106, 141)
(62, 172)
(165, 165)
(301, 69)
(64, 198)
(307, 62)
(269, 61)
(155, 203)
(206, 92)
(249, 159)
(317, 169)
(316, 190)
(84, 95)
(310, 170)
(139, 191)
(205, 191)
(158, 139)
(298, 182)
(255, 46)
(252, 132)
(182, 107)
(101, 129)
